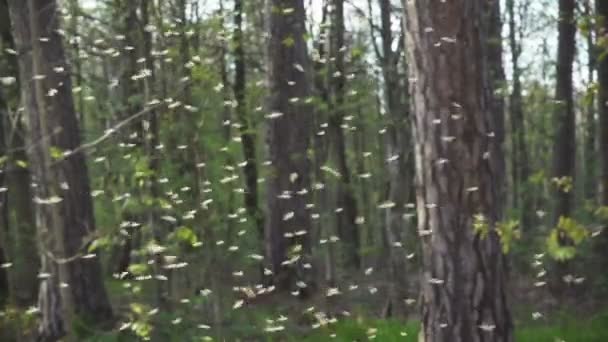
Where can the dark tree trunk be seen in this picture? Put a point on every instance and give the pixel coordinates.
(248, 136)
(289, 127)
(564, 146)
(345, 199)
(20, 243)
(602, 64)
(564, 139)
(66, 223)
(590, 141)
(400, 175)
(464, 295)
(519, 149)
(497, 84)
(602, 15)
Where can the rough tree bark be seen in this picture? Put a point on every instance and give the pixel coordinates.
(72, 287)
(464, 295)
(289, 126)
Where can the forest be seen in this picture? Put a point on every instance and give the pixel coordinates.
(304, 170)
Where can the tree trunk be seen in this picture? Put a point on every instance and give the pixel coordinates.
(400, 175)
(590, 141)
(345, 199)
(74, 287)
(289, 126)
(564, 146)
(519, 149)
(464, 295)
(20, 243)
(602, 63)
(248, 136)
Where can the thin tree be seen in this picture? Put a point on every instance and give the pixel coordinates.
(464, 295)
(564, 143)
(520, 167)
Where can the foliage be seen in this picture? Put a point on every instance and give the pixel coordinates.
(563, 239)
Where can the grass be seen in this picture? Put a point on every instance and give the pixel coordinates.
(564, 328)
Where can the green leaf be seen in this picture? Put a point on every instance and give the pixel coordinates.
(480, 226)
(56, 153)
(21, 163)
(288, 41)
(508, 232)
(186, 234)
(138, 269)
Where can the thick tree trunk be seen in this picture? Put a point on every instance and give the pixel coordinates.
(74, 286)
(564, 146)
(464, 295)
(289, 126)
(519, 149)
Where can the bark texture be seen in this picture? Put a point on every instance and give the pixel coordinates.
(289, 127)
(72, 287)
(464, 295)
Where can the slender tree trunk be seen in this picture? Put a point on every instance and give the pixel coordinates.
(399, 173)
(464, 295)
(20, 243)
(602, 63)
(347, 228)
(289, 126)
(564, 139)
(248, 136)
(519, 148)
(590, 141)
(74, 285)
(564, 147)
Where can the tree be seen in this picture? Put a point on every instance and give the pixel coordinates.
(602, 64)
(564, 143)
(72, 285)
(20, 232)
(345, 199)
(464, 295)
(287, 241)
(519, 149)
(246, 128)
(398, 156)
